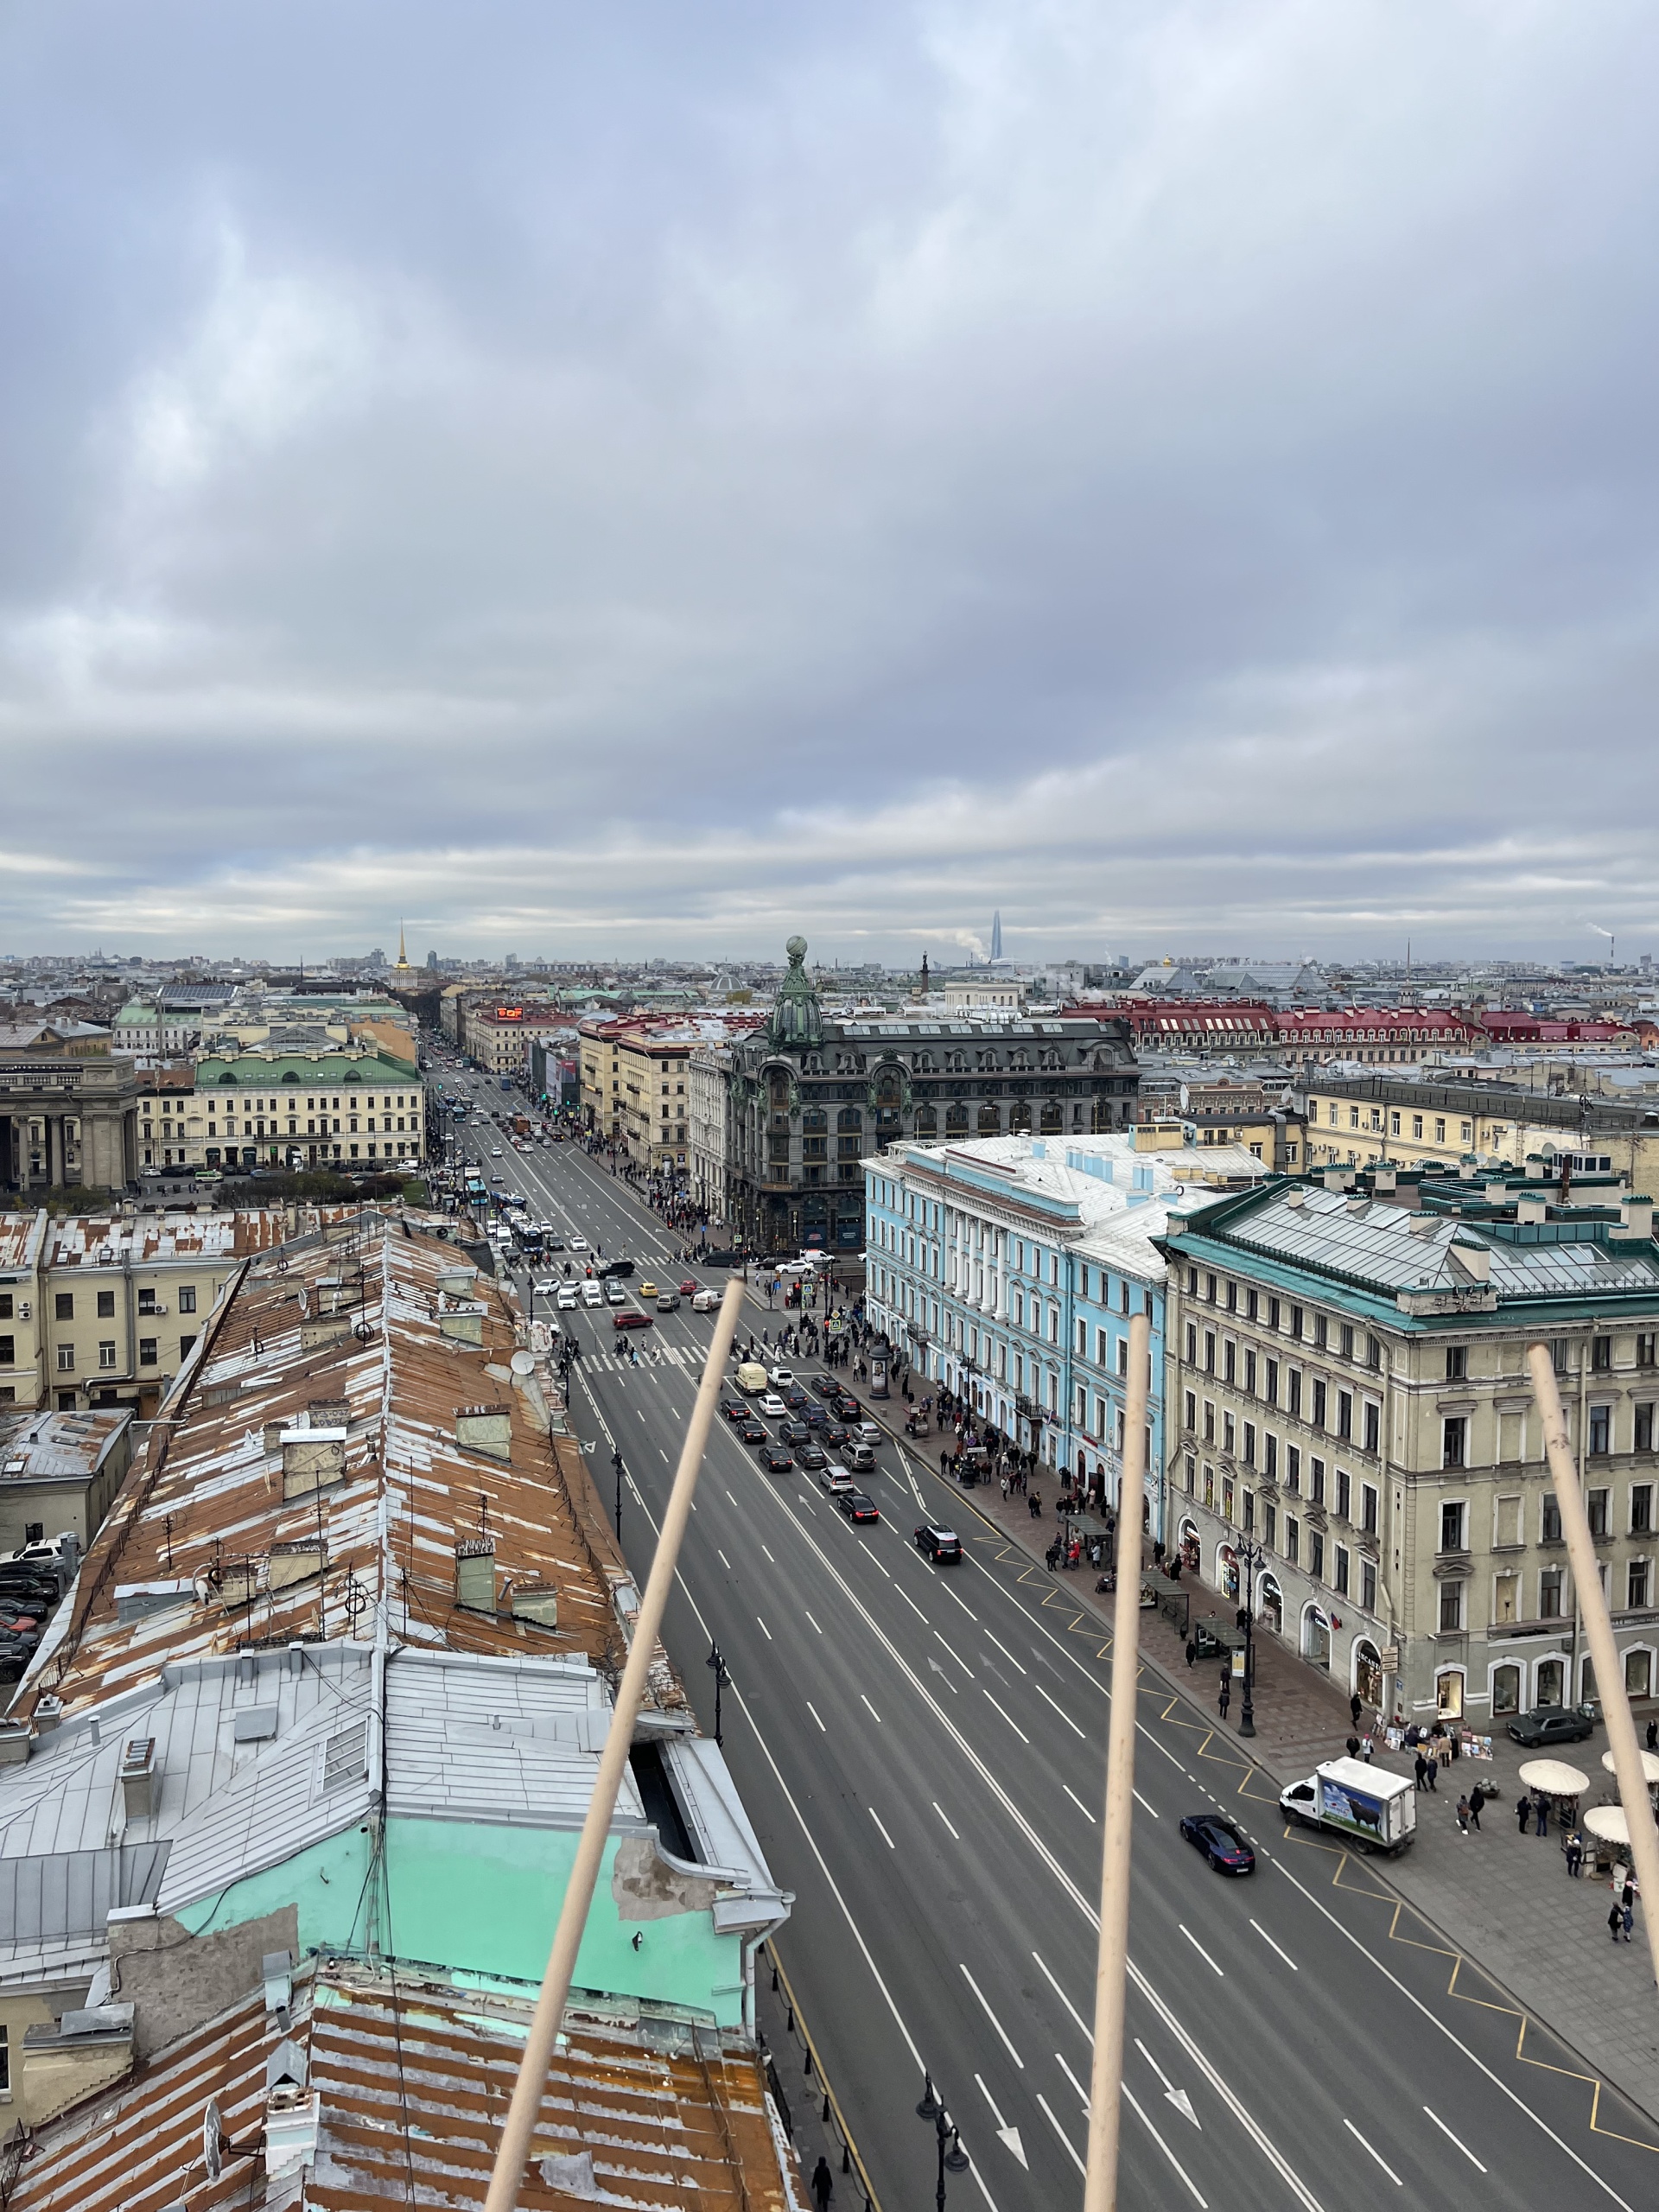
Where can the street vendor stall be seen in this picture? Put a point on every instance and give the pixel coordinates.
(1553, 1778)
(1610, 1838)
(1650, 1767)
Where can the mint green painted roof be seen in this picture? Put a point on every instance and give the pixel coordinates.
(318, 1069)
(135, 1012)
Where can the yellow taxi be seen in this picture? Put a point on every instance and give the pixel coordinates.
(647, 1290)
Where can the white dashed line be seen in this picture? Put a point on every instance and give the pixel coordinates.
(724, 1561)
(938, 1808)
(869, 1708)
(1012, 1722)
(1079, 1802)
(1199, 1949)
(1008, 1654)
(1060, 1709)
(992, 2017)
(1285, 1955)
(813, 1710)
(765, 1630)
(885, 1838)
(1376, 2154)
(1451, 2138)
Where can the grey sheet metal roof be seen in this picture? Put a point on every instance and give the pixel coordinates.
(48, 1895)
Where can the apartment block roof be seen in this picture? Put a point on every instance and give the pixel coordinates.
(355, 1352)
(97, 1241)
(49, 1447)
(638, 2110)
(318, 1069)
(22, 1236)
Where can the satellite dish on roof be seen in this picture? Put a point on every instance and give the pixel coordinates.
(523, 1362)
(213, 2129)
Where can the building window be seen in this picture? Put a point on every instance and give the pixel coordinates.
(106, 1354)
(1316, 1481)
(1249, 1373)
(1373, 1428)
(1549, 1594)
(1595, 1507)
(1644, 1428)
(188, 1298)
(1191, 1412)
(1249, 1443)
(1229, 1434)
(1191, 1346)
(1316, 1554)
(1550, 1528)
(1344, 1413)
(1451, 1606)
(1368, 1507)
(147, 1351)
(1293, 1467)
(106, 1306)
(1640, 1509)
(1601, 1422)
(66, 1359)
(1453, 1435)
(1457, 1359)
(1316, 1416)
(65, 1305)
(1270, 1455)
(1644, 1347)
(1209, 1351)
(1453, 1530)
(1601, 1353)
(1293, 1537)
(1368, 1584)
(1293, 1392)
(1344, 1493)
(1637, 1585)
(1340, 1565)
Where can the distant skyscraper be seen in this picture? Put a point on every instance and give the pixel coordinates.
(996, 935)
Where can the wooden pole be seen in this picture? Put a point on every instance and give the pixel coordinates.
(1592, 1601)
(1100, 2185)
(513, 2153)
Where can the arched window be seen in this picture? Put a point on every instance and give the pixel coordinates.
(1506, 1689)
(956, 1120)
(990, 1120)
(1550, 1682)
(927, 1121)
(1316, 1638)
(1227, 1571)
(1367, 1665)
(815, 1121)
(1639, 1671)
(1270, 1606)
(1448, 1694)
(849, 1118)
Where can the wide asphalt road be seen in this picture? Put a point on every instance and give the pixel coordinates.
(922, 1752)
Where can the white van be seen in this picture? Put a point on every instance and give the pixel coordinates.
(706, 1302)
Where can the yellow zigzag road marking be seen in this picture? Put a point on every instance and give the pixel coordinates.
(1348, 1867)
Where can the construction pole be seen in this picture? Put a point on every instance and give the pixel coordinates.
(513, 2153)
(1591, 1606)
(1100, 2185)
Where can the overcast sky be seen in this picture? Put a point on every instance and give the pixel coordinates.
(653, 478)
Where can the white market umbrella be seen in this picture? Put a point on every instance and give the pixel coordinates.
(1554, 1777)
(1649, 1766)
(1608, 1821)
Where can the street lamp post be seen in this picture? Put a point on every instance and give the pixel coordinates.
(722, 1678)
(952, 2157)
(616, 1461)
(1250, 1556)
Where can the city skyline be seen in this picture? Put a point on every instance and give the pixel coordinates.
(586, 506)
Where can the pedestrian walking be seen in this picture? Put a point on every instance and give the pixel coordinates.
(1574, 1854)
(1523, 1812)
(823, 2184)
(1463, 1816)
(1355, 1704)
(1352, 1747)
(1422, 1771)
(1477, 1799)
(1226, 1696)
(1191, 1651)
(1543, 1804)
(1615, 1919)
(1652, 1735)
(1627, 1915)
(1366, 1747)
(1433, 1766)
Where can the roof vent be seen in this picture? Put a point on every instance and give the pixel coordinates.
(1338, 1179)
(1384, 1179)
(1531, 1210)
(1296, 1196)
(140, 1780)
(475, 1573)
(484, 1428)
(48, 1713)
(1634, 1221)
(312, 1459)
(15, 1742)
(1473, 1257)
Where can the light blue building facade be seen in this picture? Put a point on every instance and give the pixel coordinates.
(1009, 1269)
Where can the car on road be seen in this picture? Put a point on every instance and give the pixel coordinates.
(773, 1407)
(826, 1386)
(814, 1416)
(1221, 1840)
(734, 1409)
(647, 1289)
(633, 1319)
(752, 1431)
(834, 1478)
(782, 1377)
(567, 1297)
(794, 1432)
(495, 1152)
(551, 1242)
(774, 1459)
(593, 1294)
(687, 1289)
(1552, 1724)
(579, 1244)
(857, 1505)
(549, 1288)
(668, 1301)
(848, 1409)
(834, 1434)
(812, 1457)
(706, 1302)
(622, 1268)
(938, 1542)
(615, 1295)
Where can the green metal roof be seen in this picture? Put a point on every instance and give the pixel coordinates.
(320, 1069)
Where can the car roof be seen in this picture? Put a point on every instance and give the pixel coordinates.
(940, 1528)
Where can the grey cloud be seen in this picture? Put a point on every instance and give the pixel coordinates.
(1178, 474)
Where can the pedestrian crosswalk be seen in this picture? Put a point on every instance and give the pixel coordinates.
(608, 1362)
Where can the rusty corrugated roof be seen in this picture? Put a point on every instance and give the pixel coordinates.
(355, 1324)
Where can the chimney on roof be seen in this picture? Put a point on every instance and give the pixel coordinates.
(1635, 1220)
(140, 1780)
(1338, 1179)
(1472, 1256)
(475, 1573)
(1531, 1210)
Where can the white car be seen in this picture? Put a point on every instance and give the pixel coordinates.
(783, 1377)
(706, 1302)
(567, 1297)
(773, 1407)
(593, 1294)
(578, 1243)
(546, 1289)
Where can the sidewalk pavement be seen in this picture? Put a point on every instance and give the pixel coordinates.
(1504, 1898)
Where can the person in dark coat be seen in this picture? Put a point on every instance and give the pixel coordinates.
(1615, 1919)
(1225, 1697)
(1477, 1799)
(1191, 1651)
(1355, 1704)
(1422, 1771)
(823, 2184)
(1523, 1813)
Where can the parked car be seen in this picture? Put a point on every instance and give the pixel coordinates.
(1221, 1840)
(937, 1541)
(1552, 1724)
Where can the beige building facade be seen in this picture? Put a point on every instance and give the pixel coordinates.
(1346, 1388)
(1358, 1120)
(286, 1110)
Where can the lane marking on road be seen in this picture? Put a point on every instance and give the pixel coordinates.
(955, 1655)
(1284, 1955)
(1087, 2033)
(724, 1561)
(962, 1602)
(814, 1623)
(1008, 2137)
(1376, 2153)
(869, 1708)
(813, 1710)
(1451, 2138)
(1007, 1653)
(940, 1810)
(768, 1554)
(1081, 1806)
(1012, 1722)
(1082, 2094)
(1060, 1709)
(733, 1500)
(765, 1630)
(885, 1838)
(1070, 2150)
(868, 1553)
(1142, 1801)
(662, 1455)
(1187, 2178)
(1199, 1949)
(1178, 2098)
(985, 2008)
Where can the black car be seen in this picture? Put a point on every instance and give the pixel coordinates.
(937, 1541)
(615, 1268)
(753, 1432)
(1552, 1724)
(826, 1386)
(774, 1459)
(848, 1409)
(834, 1434)
(796, 1399)
(814, 1416)
(857, 1506)
(1223, 1844)
(734, 1409)
(793, 1431)
(812, 1457)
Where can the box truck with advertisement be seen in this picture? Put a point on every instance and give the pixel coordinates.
(1375, 1809)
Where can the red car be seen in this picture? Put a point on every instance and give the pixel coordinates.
(631, 1318)
(690, 1289)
